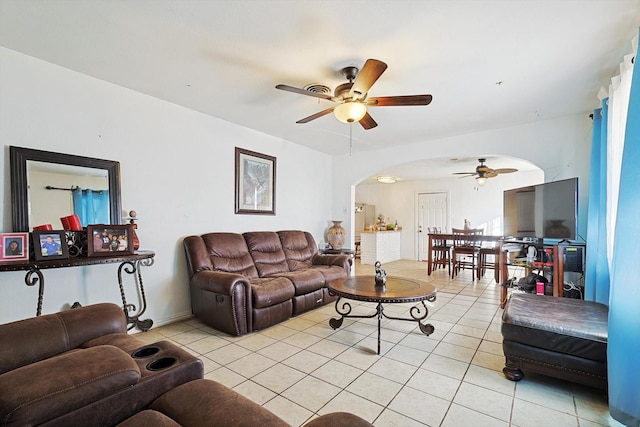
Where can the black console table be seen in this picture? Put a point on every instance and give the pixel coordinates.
(129, 264)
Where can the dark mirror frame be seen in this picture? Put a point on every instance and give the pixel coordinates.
(18, 158)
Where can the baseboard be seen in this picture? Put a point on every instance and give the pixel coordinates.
(167, 320)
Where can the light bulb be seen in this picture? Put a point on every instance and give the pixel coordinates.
(350, 112)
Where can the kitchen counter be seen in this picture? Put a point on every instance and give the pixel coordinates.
(383, 246)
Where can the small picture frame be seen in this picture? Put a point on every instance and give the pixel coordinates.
(109, 240)
(14, 247)
(49, 245)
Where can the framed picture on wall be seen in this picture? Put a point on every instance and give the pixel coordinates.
(49, 244)
(255, 179)
(109, 240)
(14, 247)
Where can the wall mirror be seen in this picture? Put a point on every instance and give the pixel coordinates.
(29, 205)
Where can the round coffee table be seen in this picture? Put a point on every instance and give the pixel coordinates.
(397, 290)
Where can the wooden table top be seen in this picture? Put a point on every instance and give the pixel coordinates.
(398, 289)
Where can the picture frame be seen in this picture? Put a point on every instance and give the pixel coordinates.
(14, 247)
(255, 183)
(49, 245)
(109, 239)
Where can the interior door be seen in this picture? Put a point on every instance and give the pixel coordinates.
(432, 212)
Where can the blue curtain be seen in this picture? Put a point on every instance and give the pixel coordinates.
(92, 207)
(624, 305)
(597, 265)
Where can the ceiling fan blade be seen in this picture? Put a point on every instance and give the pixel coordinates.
(484, 169)
(367, 122)
(391, 101)
(506, 170)
(464, 173)
(490, 174)
(316, 115)
(304, 92)
(371, 71)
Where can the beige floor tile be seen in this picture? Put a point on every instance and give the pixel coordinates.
(393, 370)
(462, 340)
(254, 392)
(255, 342)
(306, 361)
(225, 376)
(491, 379)
(337, 373)
(328, 348)
(420, 406)
(459, 416)
(289, 411)
(527, 414)
(411, 356)
(457, 352)
(374, 388)
(446, 366)
(251, 365)
(311, 393)
(390, 418)
(434, 383)
(278, 377)
(279, 351)
(486, 401)
(349, 402)
(227, 354)
(207, 344)
(488, 360)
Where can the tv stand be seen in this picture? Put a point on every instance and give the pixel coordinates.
(556, 267)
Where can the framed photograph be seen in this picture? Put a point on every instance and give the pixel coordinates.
(49, 244)
(255, 183)
(109, 240)
(14, 247)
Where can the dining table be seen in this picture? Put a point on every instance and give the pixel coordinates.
(487, 240)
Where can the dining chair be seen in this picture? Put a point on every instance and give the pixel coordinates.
(466, 250)
(440, 251)
(488, 258)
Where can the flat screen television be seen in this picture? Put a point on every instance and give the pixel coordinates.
(548, 211)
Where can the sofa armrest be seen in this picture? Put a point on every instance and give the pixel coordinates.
(220, 282)
(222, 300)
(337, 260)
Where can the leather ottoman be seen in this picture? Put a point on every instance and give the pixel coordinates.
(561, 337)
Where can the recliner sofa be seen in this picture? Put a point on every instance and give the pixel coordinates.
(241, 283)
(80, 367)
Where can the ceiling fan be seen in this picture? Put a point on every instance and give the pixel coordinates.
(483, 172)
(352, 98)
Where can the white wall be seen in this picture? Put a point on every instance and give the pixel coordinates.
(177, 172)
(559, 147)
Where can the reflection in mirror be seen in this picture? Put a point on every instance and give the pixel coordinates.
(33, 170)
(56, 190)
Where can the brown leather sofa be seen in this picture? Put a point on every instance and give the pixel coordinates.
(80, 367)
(245, 282)
(208, 403)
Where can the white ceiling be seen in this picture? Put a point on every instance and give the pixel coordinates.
(488, 63)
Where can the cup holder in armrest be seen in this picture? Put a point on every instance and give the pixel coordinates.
(145, 352)
(162, 363)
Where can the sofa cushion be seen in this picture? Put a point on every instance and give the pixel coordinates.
(56, 333)
(149, 418)
(124, 342)
(266, 251)
(206, 402)
(271, 290)
(304, 281)
(47, 389)
(330, 272)
(299, 248)
(229, 252)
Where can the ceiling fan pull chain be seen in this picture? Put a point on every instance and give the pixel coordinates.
(350, 137)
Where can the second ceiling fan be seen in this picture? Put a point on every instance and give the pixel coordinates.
(483, 172)
(352, 97)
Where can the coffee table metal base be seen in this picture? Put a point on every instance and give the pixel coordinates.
(416, 313)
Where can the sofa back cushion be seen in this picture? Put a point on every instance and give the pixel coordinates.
(38, 338)
(299, 248)
(267, 253)
(223, 252)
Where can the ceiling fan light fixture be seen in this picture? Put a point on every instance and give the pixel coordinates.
(481, 180)
(386, 179)
(350, 111)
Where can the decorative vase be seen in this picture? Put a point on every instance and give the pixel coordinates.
(336, 235)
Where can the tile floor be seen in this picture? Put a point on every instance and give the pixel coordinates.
(302, 368)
